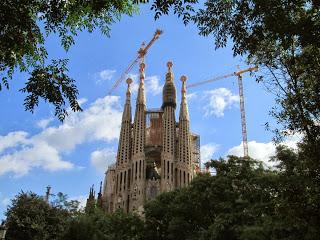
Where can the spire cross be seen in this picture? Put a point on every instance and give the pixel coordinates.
(183, 89)
(169, 65)
(129, 81)
(142, 67)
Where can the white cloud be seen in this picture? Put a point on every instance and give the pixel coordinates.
(100, 121)
(259, 151)
(207, 152)
(39, 154)
(43, 123)
(191, 96)
(219, 100)
(153, 86)
(105, 75)
(12, 139)
(100, 159)
(263, 151)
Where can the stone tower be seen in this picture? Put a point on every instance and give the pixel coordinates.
(168, 131)
(138, 143)
(123, 169)
(155, 153)
(184, 165)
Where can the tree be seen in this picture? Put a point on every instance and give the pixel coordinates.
(297, 203)
(233, 204)
(30, 217)
(243, 201)
(99, 225)
(25, 25)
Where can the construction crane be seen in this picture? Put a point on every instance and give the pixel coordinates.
(140, 58)
(242, 110)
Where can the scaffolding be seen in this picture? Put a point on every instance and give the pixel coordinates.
(154, 127)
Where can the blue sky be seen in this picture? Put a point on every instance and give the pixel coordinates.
(36, 150)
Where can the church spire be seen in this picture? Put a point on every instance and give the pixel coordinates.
(125, 132)
(184, 170)
(184, 112)
(138, 166)
(141, 99)
(168, 131)
(169, 89)
(139, 117)
(127, 107)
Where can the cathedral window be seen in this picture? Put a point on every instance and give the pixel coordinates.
(172, 172)
(117, 183)
(136, 170)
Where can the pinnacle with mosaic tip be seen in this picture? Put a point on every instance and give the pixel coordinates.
(169, 65)
(142, 67)
(129, 81)
(183, 78)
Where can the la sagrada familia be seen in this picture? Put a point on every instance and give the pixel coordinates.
(155, 152)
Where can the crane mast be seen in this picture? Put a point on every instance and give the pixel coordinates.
(241, 96)
(141, 54)
(242, 109)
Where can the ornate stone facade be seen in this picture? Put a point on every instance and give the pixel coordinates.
(155, 153)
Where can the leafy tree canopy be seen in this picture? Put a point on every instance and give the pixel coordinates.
(228, 205)
(99, 226)
(24, 27)
(243, 201)
(29, 217)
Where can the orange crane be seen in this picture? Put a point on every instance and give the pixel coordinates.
(242, 110)
(140, 57)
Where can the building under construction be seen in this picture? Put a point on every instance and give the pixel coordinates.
(155, 153)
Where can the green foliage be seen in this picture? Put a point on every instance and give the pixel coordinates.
(183, 9)
(242, 201)
(30, 217)
(299, 194)
(24, 27)
(52, 84)
(99, 225)
(229, 205)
